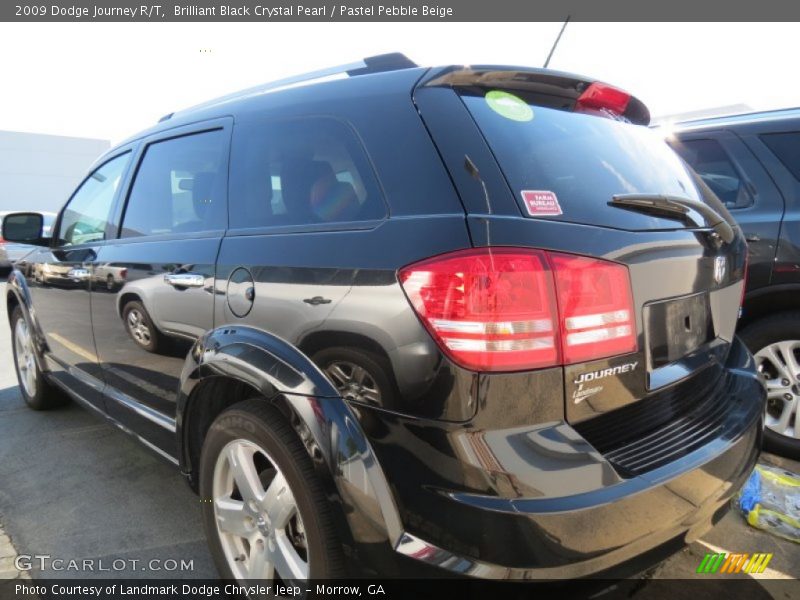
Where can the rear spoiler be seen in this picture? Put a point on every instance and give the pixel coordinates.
(543, 87)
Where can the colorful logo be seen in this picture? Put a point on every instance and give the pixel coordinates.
(725, 562)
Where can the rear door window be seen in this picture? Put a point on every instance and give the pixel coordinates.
(179, 187)
(576, 163)
(717, 169)
(310, 171)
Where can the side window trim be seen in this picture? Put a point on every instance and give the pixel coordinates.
(224, 124)
(366, 225)
(119, 152)
(115, 222)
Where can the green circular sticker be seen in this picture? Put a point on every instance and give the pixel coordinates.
(509, 106)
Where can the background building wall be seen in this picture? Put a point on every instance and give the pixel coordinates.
(39, 172)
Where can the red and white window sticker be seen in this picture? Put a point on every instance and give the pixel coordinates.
(541, 203)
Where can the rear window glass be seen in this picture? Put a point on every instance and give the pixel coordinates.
(786, 146)
(584, 160)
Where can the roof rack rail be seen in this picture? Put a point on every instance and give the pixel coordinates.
(372, 64)
(380, 63)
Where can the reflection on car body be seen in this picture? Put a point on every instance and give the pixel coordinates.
(11, 252)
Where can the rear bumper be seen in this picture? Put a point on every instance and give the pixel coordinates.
(598, 533)
(609, 522)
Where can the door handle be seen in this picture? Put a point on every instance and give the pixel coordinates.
(79, 274)
(185, 280)
(317, 300)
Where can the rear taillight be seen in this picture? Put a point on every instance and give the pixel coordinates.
(512, 309)
(601, 96)
(596, 308)
(488, 310)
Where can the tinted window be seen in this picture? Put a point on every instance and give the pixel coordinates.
(786, 146)
(86, 216)
(301, 172)
(716, 168)
(581, 161)
(179, 187)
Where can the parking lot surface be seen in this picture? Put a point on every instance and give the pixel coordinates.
(73, 486)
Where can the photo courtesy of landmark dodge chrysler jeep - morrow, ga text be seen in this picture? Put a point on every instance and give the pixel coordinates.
(474, 320)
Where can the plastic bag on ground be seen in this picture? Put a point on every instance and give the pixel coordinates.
(770, 500)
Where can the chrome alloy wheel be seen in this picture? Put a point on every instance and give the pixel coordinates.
(258, 520)
(353, 382)
(779, 366)
(26, 361)
(138, 327)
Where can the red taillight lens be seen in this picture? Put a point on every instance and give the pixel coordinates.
(596, 308)
(496, 309)
(488, 310)
(123, 273)
(600, 96)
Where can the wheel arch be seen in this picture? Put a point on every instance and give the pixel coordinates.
(320, 340)
(769, 300)
(125, 298)
(18, 295)
(232, 363)
(12, 301)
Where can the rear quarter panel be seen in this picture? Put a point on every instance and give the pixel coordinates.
(353, 266)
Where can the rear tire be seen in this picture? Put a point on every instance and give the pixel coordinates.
(269, 515)
(775, 342)
(37, 392)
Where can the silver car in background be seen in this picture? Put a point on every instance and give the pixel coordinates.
(11, 252)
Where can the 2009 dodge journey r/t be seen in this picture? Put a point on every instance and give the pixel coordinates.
(463, 319)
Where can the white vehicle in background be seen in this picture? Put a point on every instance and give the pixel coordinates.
(11, 252)
(111, 276)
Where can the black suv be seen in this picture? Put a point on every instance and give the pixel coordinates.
(473, 318)
(752, 163)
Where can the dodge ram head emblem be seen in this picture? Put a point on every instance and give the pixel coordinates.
(720, 267)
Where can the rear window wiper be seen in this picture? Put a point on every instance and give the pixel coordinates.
(695, 213)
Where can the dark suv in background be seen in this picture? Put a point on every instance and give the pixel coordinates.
(752, 163)
(473, 318)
